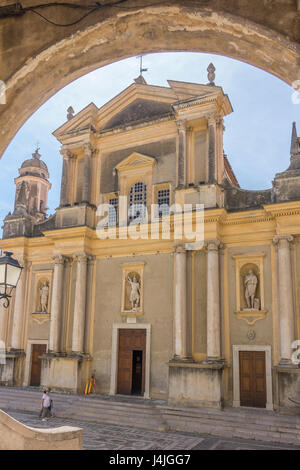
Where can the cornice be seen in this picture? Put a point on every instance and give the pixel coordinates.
(137, 124)
(283, 209)
(72, 232)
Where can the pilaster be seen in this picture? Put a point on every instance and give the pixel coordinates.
(80, 304)
(86, 187)
(19, 310)
(180, 313)
(56, 304)
(213, 301)
(212, 125)
(182, 153)
(285, 297)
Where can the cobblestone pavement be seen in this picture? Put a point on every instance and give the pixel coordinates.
(97, 436)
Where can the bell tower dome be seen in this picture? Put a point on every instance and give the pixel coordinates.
(32, 187)
(31, 198)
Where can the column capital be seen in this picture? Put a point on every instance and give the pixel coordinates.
(59, 259)
(285, 237)
(220, 122)
(179, 249)
(213, 245)
(67, 154)
(95, 152)
(181, 124)
(212, 119)
(81, 256)
(88, 148)
(91, 259)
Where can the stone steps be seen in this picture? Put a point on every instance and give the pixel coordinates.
(272, 421)
(232, 430)
(84, 408)
(157, 415)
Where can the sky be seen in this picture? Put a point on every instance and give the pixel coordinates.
(256, 140)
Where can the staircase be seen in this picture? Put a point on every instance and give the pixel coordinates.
(243, 423)
(157, 415)
(139, 413)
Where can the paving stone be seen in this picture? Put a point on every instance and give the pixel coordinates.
(97, 436)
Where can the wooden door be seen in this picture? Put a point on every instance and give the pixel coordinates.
(253, 379)
(129, 342)
(36, 363)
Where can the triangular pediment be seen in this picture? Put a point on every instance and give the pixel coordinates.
(135, 160)
(139, 110)
(138, 101)
(82, 120)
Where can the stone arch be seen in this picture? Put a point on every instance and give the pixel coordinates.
(157, 28)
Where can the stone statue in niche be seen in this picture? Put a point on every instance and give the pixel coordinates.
(43, 297)
(134, 293)
(250, 282)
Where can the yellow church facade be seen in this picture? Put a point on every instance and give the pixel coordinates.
(147, 312)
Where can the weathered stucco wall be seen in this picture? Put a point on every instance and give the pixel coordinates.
(158, 304)
(239, 328)
(164, 170)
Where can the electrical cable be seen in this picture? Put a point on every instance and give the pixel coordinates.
(91, 9)
(67, 24)
(63, 4)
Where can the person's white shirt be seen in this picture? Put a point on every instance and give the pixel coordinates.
(47, 401)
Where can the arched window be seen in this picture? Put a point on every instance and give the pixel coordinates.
(137, 201)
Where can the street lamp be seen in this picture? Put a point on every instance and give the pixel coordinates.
(10, 272)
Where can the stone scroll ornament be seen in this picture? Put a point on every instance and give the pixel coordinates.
(135, 294)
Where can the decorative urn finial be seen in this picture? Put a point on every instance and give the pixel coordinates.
(211, 74)
(70, 112)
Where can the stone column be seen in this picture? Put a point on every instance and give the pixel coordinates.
(212, 149)
(64, 178)
(190, 164)
(285, 297)
(180, 313)
(182, 148)
(19, 310)
(220, 150)
(86, 186)
(80, 304)
(213, 301)
(89, 303)
(56, 305)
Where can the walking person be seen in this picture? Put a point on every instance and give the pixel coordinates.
(44, 395)
(46, 406)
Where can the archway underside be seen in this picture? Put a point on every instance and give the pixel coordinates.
(148, 30)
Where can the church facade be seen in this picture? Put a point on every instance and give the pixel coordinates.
(154, 314)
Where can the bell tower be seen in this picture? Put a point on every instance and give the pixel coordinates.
(31, 198)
